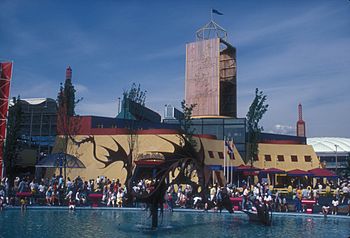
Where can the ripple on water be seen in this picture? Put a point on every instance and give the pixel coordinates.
(112, 223)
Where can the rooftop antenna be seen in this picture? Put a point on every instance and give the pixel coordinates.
(211, 29)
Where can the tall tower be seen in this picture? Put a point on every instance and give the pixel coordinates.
(211, 79)
(300, 123)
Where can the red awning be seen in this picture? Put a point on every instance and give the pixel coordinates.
(322, 173)
(298, 173)
(273, 171)
(246, 168)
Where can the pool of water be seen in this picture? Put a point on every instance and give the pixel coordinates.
(117, 223)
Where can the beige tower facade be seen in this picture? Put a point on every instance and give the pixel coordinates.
(211, 78)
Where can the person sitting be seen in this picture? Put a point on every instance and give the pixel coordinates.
(325, 210)
(23, 202)
(49, 196)
(2, 197)
(196, 202)
(120, 196)
(284, 205)
(71, 204)
(77, 197)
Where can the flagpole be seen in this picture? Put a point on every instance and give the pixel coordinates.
(233, 154)
(224, 158)
(211, 14)
(229, 167)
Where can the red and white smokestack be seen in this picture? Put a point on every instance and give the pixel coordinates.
(301, 124)
(69, 73)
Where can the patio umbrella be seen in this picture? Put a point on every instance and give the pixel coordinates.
(298, 173)
(272, 171)
(322, 173)
(60, 160)
(246, 170)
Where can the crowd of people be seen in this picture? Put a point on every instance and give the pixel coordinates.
(55, 191)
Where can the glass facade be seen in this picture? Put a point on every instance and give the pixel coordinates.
(39, 124)
(228, 128)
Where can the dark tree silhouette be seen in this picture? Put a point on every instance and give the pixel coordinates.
(256, 111)
(13, 145)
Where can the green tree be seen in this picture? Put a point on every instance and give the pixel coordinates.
(256, 111)
(12, 144)
(138, 96)
(186, 124)
(68, 123)
(135, 94)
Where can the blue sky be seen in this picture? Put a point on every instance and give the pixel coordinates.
(294, 51)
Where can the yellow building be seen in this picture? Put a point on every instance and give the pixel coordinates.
(286, 157)
(102, 151)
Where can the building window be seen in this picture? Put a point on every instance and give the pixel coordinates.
(99, 125)
(211, 154)
(221, 155)
(294, 158)
(280, 158)
(267, 157)
(307, 158)
(256, 158)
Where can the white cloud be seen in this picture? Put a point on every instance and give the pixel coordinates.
(82, 89)
(108, 109)
(282, 129)
(166, 53)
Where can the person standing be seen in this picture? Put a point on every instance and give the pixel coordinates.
(245, 197)
(335, 203)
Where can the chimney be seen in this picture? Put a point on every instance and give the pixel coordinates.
(300, 123)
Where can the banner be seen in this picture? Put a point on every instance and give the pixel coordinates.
(5, 78)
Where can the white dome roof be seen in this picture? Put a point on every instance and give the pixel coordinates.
(328, 144)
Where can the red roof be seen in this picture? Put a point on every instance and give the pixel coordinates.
(318, 172)
(273, 171)
(246, 168)
(298, 173)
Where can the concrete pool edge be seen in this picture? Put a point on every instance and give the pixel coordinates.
(174, 210)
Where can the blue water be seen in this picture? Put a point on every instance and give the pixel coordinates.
(117, 223)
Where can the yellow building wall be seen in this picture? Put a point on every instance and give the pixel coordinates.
(217, 146)
(151, 143)
(287, 151)
(143, 144)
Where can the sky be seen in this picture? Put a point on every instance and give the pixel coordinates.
(294, 51)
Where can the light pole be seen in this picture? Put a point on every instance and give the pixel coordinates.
(118, 105)
(336, 158)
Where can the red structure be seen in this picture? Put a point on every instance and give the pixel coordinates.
(5, 78)
(69, 73)
(300, 123)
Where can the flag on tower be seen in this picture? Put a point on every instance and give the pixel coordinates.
(216, 12)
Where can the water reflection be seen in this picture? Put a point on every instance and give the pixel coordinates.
(116, 223)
